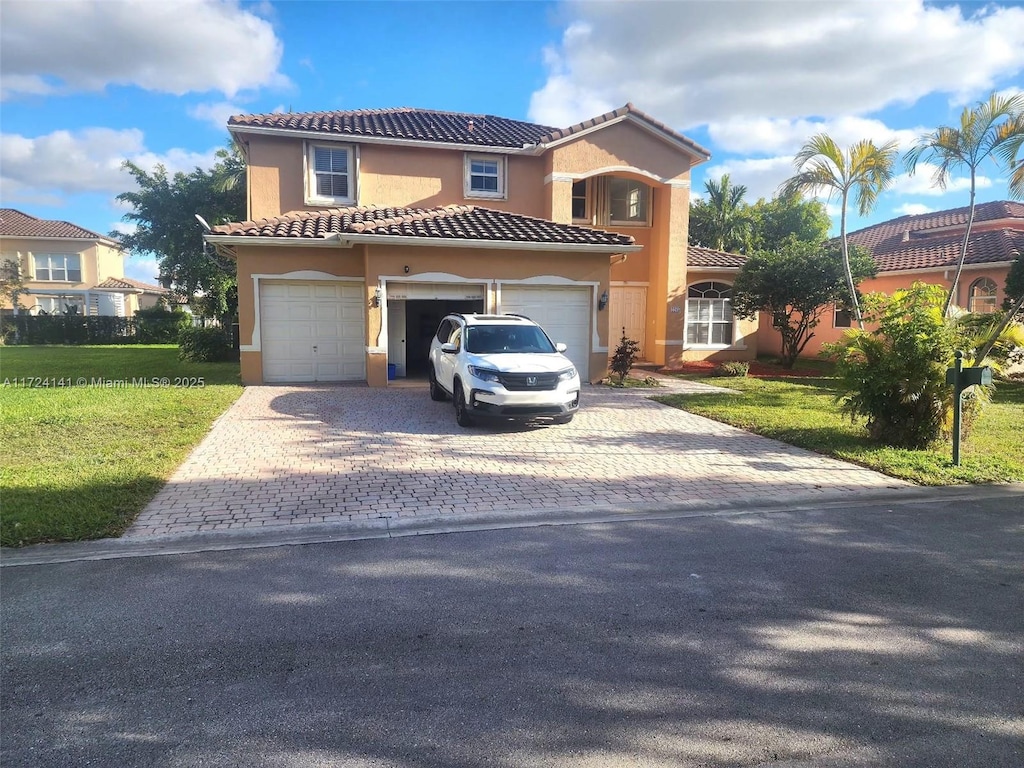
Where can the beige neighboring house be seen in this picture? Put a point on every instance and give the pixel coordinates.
(65, 265)
(366, 227)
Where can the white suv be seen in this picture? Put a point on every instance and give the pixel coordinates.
(503, 366)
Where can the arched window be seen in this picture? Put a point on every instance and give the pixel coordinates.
(981, 297)
(709, 314)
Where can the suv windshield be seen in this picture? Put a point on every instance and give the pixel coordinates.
(490, 339)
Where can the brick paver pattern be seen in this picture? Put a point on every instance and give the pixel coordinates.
(283, 456)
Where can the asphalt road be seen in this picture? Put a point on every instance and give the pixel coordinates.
(861, 636)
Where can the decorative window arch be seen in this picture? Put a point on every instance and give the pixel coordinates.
(709, 319)
(981, 296)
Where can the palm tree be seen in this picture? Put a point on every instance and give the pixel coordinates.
(729, 224)
(992, 128)
(863, 170)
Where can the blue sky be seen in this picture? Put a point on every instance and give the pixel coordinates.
(87, 84)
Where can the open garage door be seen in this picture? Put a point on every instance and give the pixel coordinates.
(313, 331)
(562, 311)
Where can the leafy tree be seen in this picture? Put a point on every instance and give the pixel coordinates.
(787, 219)
(720, 222)
(795, 285)
(993, 128)
(12, 282)
(863, 170)
(164, 210)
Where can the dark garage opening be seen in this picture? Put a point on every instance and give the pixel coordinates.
(422, 317)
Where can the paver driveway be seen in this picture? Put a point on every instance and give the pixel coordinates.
(290, 455)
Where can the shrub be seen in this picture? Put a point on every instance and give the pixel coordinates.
(737, 368)
(204, 345)
(895, 376)
(157, 325)
(624, 357)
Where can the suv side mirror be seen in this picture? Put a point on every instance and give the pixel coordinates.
(560, 347)
(448, 348)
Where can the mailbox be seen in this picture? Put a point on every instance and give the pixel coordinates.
(968, 377)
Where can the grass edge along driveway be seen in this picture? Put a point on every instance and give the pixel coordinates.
(803, 412)
(81, 461)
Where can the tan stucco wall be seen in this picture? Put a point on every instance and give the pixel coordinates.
(624, 144)
(388, 176)
(377, 262)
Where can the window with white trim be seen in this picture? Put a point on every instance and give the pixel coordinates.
(628, 201)
(580, 209)
(842, 318)
(709, 320)
(59, 305)
(57, 267)
(485, 176)
(331, 174)
(981, 296)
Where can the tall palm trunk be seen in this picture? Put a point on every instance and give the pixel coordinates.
(963, 252)
(844, 245)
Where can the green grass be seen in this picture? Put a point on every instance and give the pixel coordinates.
(803, 412)
(80, 462)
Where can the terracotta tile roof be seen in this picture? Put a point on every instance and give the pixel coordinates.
(932, 240)
(405, 123)
(14, 223)
(458, 222)
(706, 257)
(127, 283)
(629, 109)
(444, 127)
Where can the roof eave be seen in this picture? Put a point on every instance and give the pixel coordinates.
(349, 138)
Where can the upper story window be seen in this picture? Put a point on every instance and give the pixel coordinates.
(331, 176)
(580, 208)
(485, 176)
(842, 318)
(629, 201)
(981, 297)
(709, 314)
(59, 267)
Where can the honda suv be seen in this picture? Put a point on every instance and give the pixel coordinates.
(501, 366)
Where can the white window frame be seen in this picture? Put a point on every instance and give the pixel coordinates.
(648, 197)
(57, 304)
(50, 259)
(710, 323)
(991, 299)
(312, 197)
(502, 174)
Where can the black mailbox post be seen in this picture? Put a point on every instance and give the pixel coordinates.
(961, 378)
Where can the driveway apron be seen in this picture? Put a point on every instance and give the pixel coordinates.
(283, 456)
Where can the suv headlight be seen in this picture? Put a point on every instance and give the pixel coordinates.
(484, 374)
(567, 375)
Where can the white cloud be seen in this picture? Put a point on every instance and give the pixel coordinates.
(692, 63)
(124, 228)
(172, 47)
(139, 268)
(89, 160)
(923, 183)
(216, 114)
(784, 136)
(761, 176)
(912, 209)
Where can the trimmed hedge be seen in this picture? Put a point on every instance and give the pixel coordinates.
(206, 345)
(92, 329)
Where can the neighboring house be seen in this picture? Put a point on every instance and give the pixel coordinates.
(67, 268)
(367, 227)
(926, 248)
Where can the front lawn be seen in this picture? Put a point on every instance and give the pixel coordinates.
(83, 457)
(803, 412)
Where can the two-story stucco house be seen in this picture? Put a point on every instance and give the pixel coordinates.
(67, 268)
(366, 227)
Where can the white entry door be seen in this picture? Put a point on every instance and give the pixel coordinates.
(562, 311)
(627, 308)
(312, 331)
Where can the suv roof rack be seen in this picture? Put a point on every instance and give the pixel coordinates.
(516, 314)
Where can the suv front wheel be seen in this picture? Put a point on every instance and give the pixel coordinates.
(462, 416)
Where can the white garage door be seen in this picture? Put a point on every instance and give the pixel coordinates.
(312, 331)
(563, 312)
